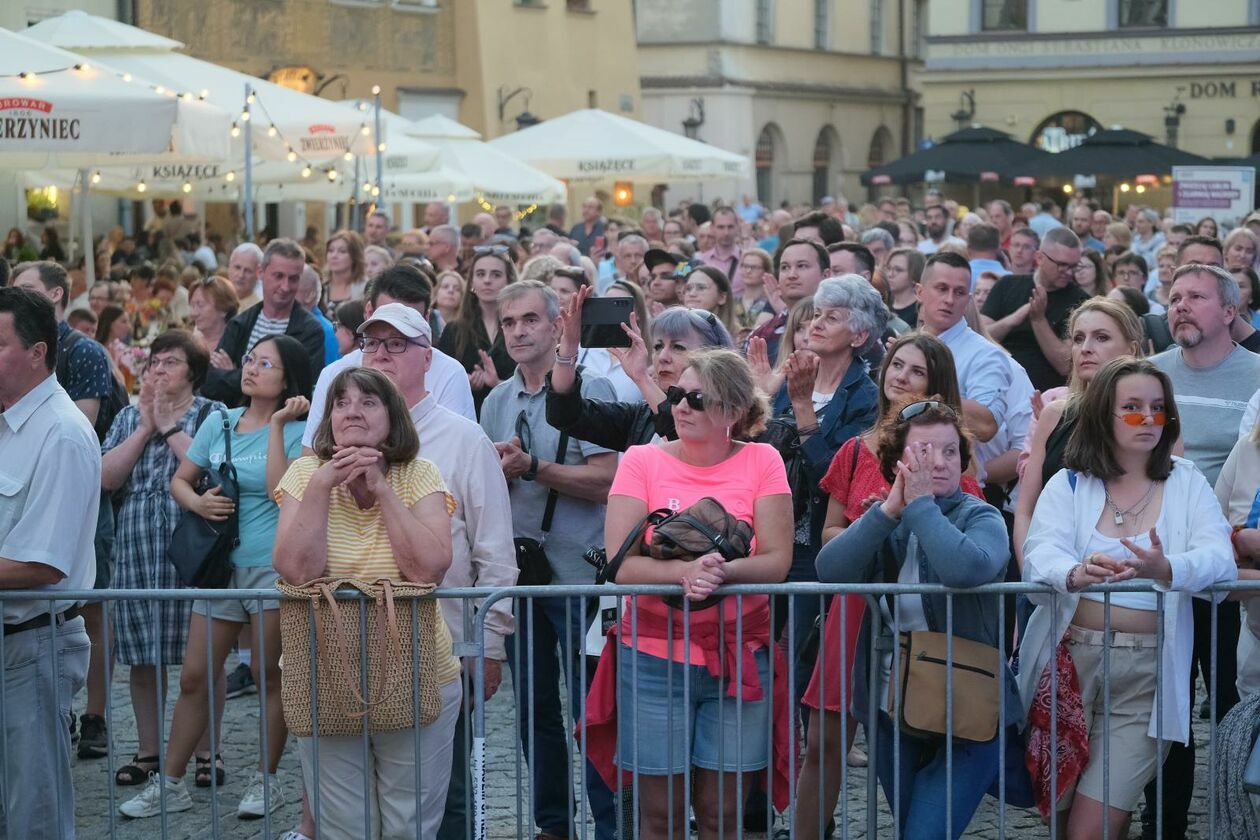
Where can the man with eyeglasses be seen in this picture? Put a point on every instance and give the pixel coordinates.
(1211, 377)
(279, 312)
(548, 471)
(1027, 313)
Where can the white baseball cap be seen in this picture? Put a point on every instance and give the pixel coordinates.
(401, 317)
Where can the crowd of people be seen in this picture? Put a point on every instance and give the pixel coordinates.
(887, 393)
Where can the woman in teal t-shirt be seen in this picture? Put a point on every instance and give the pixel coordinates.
(276, 381)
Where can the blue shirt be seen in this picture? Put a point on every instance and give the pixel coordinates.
(983, 374)
(259, 513)
(332, 350)
(979, 266)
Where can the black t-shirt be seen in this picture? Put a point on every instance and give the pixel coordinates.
(1012, 292)
(909, 314)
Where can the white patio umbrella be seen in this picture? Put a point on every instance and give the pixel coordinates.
(496, 176)
(62, 109)
(594, 145)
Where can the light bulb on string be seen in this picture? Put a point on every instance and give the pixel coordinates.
(126, 77)
(376, 90)
(187, 187)
(236, 130)
(230, 177)
(96, 177)
(375, 191)
(332, 174)
(205, 93)
(159, 89)
(251, 98)
(271, 131)
(82, 67)
(349, 156)
(25, 75)
(245, 116)
(306, 172)
(380, 147)
(291, 156)
(141, 187)
(364, 130)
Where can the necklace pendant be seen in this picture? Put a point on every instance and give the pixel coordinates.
(1118, 518)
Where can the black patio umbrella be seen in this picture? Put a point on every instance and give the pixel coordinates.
(1253, 161)
(971, 155)
(1116, 153)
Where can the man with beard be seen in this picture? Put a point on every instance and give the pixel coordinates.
(1081, 220)
(1211, 374)
(936, 220)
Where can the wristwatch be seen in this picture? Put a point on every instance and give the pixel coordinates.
(532, 472)
(168, 434)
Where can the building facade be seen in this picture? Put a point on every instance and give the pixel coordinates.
(813, 91)
(1051, 72)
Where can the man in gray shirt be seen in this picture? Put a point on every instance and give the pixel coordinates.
(1212, 378)
(549, 636)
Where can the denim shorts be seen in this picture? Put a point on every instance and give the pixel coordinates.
(658, 734)
(243, 577)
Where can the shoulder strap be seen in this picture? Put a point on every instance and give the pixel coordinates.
(553, 496)
(609, 574)
(227, 437)
(856, 440)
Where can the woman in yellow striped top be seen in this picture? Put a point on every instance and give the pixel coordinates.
(366, 506)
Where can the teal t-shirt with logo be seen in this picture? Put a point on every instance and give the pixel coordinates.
(259, 514)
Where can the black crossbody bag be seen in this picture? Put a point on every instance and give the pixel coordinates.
(531, 554)
(201, 550)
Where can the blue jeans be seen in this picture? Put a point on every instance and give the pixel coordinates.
(922, 772)
(546, 649)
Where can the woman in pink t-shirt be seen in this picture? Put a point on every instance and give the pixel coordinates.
(717, 725)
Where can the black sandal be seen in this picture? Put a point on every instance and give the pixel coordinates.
(202, 776)
(133, 773)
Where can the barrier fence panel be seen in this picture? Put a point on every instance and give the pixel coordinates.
(709, 717)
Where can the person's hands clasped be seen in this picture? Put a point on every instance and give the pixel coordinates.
(221, 361)
(703, 575)
(293, 408)
(1097, 568)
(916, 468)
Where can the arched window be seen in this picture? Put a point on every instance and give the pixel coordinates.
(767, 152)
(1064, 130)
(826, 163)
(881, 148)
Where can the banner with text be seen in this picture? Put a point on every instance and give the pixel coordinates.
(1226, 193)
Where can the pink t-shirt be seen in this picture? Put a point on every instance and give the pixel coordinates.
(659, 480)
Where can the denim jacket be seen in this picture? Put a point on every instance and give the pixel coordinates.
(962, 543)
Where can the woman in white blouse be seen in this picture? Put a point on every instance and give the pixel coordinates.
(1124, 508)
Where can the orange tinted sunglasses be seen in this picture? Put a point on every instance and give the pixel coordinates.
(1135, 418)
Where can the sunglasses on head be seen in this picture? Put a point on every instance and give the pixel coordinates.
(483, 250)
(916, 408)
(1135, 418)
(675, 395)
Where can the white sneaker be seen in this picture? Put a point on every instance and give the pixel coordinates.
(149, 802)
(252, 806)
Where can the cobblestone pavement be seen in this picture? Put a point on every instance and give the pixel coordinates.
(96, 798)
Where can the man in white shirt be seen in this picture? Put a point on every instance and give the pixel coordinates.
(983, 373)
(446, 379)
(936, 220)
(50, 475)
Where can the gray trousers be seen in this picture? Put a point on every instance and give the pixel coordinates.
(37, 800)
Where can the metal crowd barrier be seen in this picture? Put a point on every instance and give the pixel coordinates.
(876, 818)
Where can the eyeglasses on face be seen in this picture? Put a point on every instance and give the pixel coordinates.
(167, 363)
(1068, 267)
(675, 395)
(393, 346)
(1135, 418)
(250, 359)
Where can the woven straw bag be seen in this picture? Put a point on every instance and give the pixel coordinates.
(390, 704)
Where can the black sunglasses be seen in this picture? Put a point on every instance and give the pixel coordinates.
(695, 399)
(915, 409)
(523, 433)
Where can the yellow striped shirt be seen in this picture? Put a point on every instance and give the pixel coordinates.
(358, 542)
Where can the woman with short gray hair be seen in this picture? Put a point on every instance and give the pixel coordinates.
(828, 393)
(1147, 238)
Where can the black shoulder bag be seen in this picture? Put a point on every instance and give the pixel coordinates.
(201, 550)
(531, 554)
